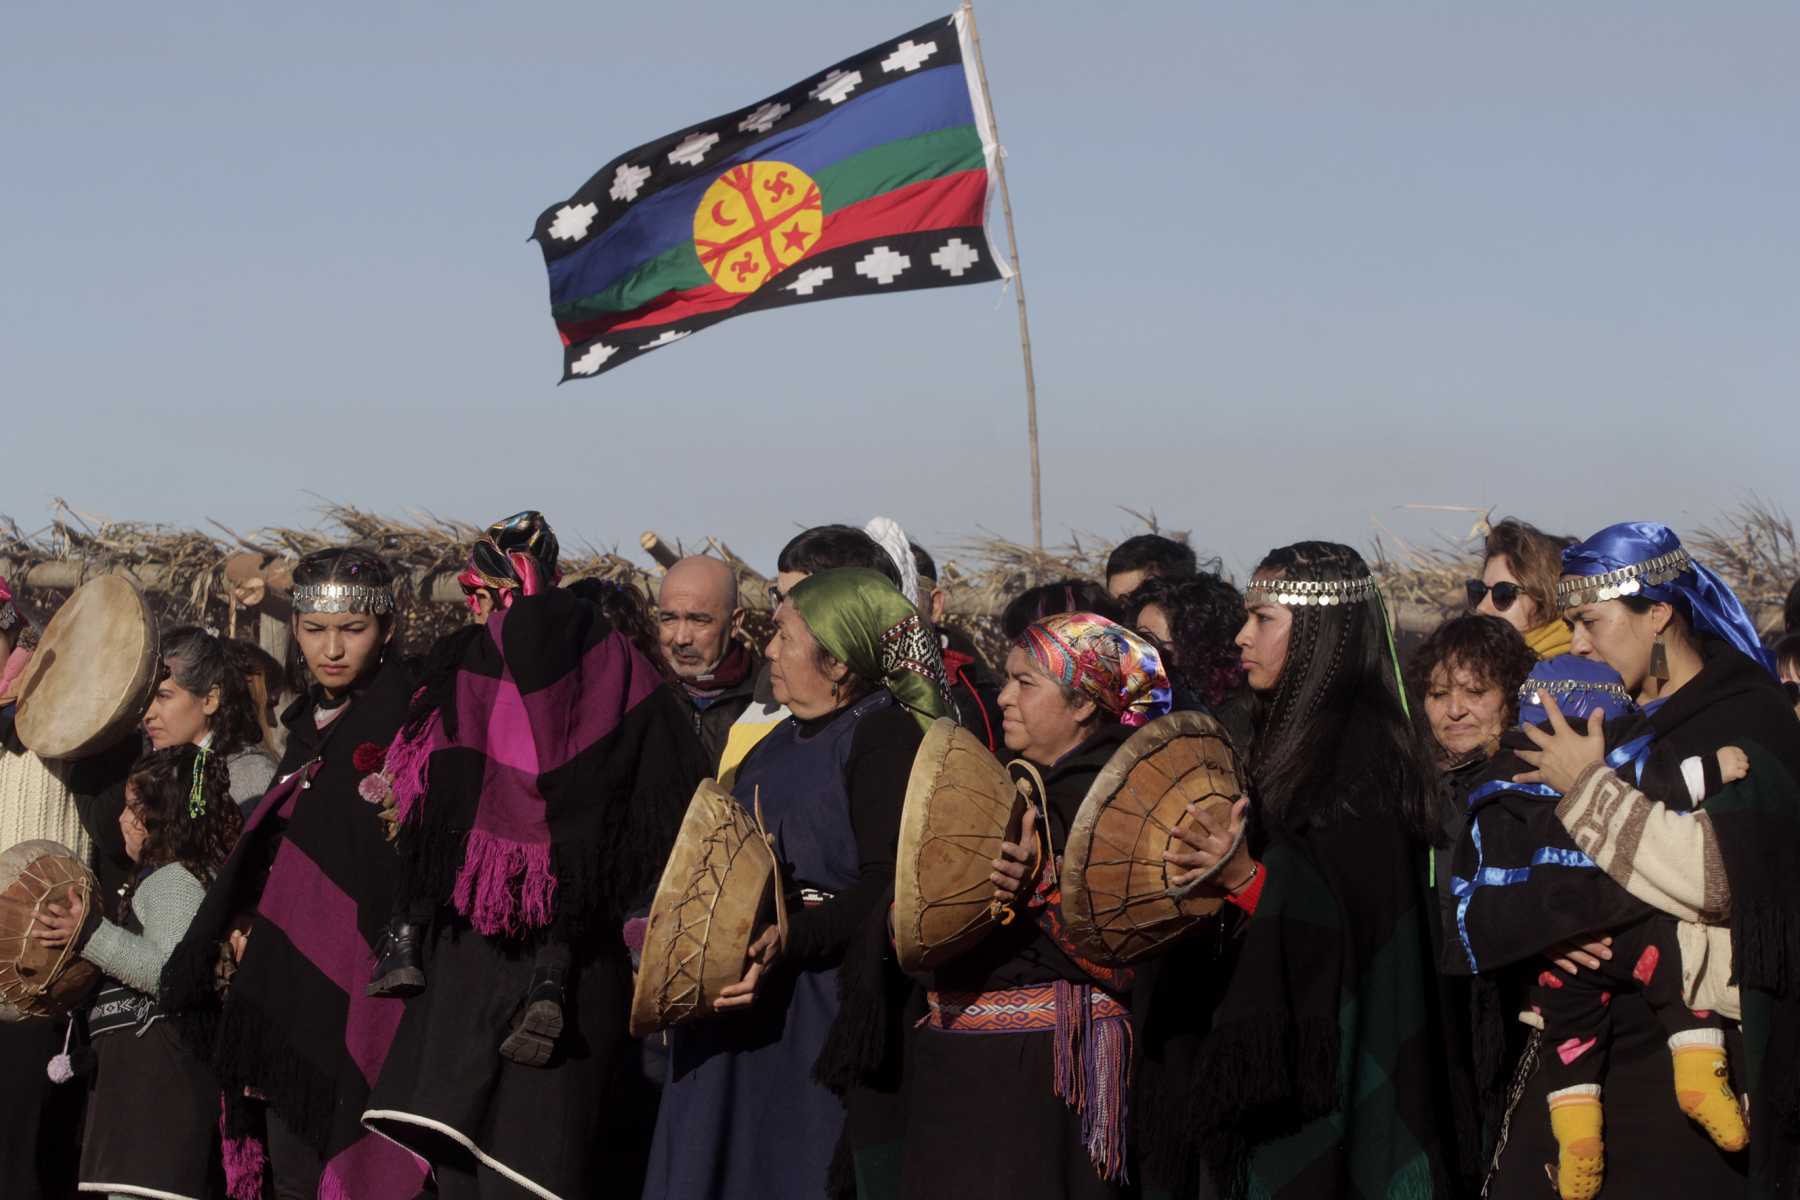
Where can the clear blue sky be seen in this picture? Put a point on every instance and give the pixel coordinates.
(1291, 266)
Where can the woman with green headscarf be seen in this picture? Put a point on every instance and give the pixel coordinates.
(741, 1116)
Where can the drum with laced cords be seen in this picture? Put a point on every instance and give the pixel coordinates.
(1118, 901)
(39, 981)
(961, 804)
(720, 887)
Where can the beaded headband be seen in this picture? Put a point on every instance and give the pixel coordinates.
(343, 598)
(1532, 688)
(1576, 590)
(1298, 593)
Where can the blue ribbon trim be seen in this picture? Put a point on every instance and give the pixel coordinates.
(1630, 754)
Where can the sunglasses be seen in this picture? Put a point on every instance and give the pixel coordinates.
(776, 597)
(1504, 593)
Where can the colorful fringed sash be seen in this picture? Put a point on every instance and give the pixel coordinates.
(1093, 1051)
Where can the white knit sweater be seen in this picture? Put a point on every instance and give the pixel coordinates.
(34, 803)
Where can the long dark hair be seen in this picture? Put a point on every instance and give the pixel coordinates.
(189, 821)
(1333, 738)
(200, 662)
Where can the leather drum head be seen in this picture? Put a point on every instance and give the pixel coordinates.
(716, 893)
(93, 673)
(960, 805)
(35, 980)
(1117, 901)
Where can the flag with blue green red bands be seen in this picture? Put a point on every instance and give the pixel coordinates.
(871, 176)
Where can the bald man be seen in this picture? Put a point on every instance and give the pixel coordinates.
(697, 614)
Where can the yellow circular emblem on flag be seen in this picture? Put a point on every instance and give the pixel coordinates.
(755, 220)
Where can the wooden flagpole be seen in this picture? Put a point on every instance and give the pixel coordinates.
(1012, 245)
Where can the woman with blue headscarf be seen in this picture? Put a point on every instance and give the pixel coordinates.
(1688, 653)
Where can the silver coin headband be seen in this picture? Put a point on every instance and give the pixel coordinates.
(343, 598)
(1531, 689)
(1577, 590)
(1298, 593)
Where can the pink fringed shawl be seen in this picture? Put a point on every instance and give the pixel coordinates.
(528, 770)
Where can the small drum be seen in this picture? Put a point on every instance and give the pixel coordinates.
(93, 674)
(1117, 901)
(35, 980)
(960, 805)
(715, 894)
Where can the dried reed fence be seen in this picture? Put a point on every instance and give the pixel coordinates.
(237, 583)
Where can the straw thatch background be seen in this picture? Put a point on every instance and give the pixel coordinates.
(236, 582)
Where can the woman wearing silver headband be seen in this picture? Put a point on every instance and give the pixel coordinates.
(299, 908)
(1691, 658)
(1313, 1066)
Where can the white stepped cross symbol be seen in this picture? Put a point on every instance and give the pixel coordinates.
(837, 86)
(626, 182)
(572, 221)
(593, 360)
(764, 118)
(956, 256)
(883, 265)
(908, 55)
(810, 281)
(693, 148)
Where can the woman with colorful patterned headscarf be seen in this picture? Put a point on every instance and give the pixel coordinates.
(1688, 653)
(741, 1115)
(1055, 1050)
(1310, 1063)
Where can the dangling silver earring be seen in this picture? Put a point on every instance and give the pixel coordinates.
(1659, 660)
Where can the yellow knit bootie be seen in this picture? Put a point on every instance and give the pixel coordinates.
(1581, 1161)
(1703, 1087)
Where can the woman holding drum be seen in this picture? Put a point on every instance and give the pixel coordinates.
(860, 672)
(1019, 1080)
(70, 702)
(303, 900)
(178, 825)
(1305, 1062)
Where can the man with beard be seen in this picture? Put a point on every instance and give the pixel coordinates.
(697, 613)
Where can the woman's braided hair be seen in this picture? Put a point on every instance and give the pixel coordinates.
(1306, 761)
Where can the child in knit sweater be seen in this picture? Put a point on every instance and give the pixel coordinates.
(154, 1108)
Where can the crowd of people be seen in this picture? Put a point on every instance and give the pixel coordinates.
(1514, 913)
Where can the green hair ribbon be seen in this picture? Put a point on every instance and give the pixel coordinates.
(197, 793)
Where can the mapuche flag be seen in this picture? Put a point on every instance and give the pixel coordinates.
(871, 176)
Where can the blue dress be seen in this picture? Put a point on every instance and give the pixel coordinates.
(741, 1118)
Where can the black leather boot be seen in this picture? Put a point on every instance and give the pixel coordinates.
(540, 1019)
(398, 968)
